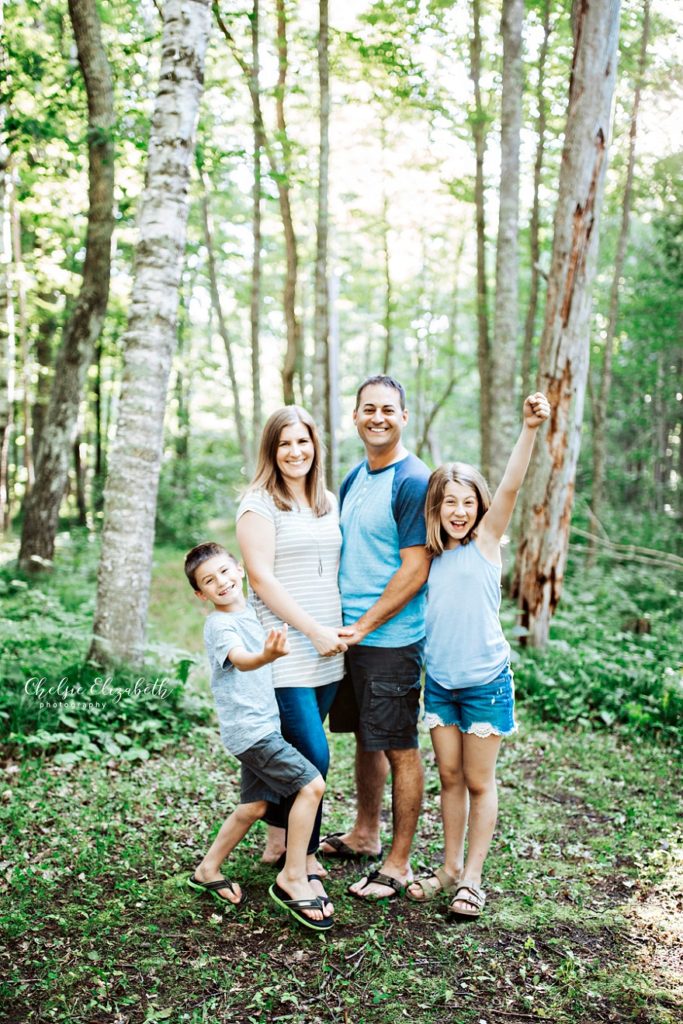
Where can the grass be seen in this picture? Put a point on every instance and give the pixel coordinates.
(583, 880)
(101, 928)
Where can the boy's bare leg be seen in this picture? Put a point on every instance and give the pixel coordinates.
(372, 769)
(233, 829)
(293, 877)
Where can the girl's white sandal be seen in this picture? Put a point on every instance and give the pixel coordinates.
(446, 883)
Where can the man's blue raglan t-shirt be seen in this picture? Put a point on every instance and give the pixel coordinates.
(382, 511)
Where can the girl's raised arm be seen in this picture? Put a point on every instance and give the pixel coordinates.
(497, 519)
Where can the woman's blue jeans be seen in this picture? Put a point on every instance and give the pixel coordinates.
(303, 709)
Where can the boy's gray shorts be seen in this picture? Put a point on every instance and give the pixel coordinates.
(272, 770)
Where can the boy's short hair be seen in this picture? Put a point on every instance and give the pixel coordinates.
(386, 381)
(200, 554)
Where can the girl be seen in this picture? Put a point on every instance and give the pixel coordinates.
(469, 697)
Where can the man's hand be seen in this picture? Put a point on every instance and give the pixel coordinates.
(536, 410)
(351, 635)
(327, 642)
(276, 645)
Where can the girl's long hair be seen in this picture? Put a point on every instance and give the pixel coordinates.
(457, 473)
(268, 476)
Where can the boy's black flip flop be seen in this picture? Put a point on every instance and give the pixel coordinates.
(213, 887)
(295, 908)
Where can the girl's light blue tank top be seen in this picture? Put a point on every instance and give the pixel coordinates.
(465, 642)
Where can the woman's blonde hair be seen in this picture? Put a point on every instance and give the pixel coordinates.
(457, 473)
(268, 476)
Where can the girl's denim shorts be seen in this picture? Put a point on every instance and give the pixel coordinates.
(487, 710)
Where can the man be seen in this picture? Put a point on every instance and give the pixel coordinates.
(383, 571)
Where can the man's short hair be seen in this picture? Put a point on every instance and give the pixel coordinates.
(386, 381)
(200, 554)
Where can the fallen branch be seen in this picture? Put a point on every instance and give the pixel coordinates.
(629, 549)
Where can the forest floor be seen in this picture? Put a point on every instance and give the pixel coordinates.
(584, 918)
(583, 921)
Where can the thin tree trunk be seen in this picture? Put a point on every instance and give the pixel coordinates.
(321, 324)
(280, 173)
(602, 399)
(25, 361)
(504, 417)
(563, 364)
(451, 376)
(7, 322)
(388, 317)
(478, 122)
(534, 241)
(79, 481)
(41, 362)
(293, 355)
(222, 327)
(84, 325)
(255, 311)
(135, 459)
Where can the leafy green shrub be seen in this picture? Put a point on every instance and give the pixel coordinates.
(595, 670)
(53, 700)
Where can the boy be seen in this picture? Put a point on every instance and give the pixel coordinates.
(272, 770)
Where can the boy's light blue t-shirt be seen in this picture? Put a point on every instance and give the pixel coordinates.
(382, 511)
(245, 701)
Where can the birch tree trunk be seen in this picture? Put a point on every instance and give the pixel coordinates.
(223, 328)
(534, 227)
(478, 123)
(83, 327)
(504, 411)
(321, 326)
(602, 398)
(255, 310)
(135, 459)
(563, 363)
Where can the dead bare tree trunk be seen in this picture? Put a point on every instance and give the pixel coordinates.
(135, 460)
(478, 124)
(602, 398)
(534, 242)
(504, 410)
(84, 325)
(563, 365)
(222, 326)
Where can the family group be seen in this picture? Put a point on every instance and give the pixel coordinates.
(348, 602)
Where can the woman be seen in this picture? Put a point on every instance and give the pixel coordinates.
(288, 532)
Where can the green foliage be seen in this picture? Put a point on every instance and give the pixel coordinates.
(598, 670)
(53, 701)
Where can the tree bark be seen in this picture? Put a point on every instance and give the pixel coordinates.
(563, 363)
(602, 398)
(478, 123)
(135, 459)
(7, 323)
(504, 411)
(321, 320)
(293, 355)
(255, 305)
(223, 327)
(534, 242)
(279, 170)
(83, 327)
